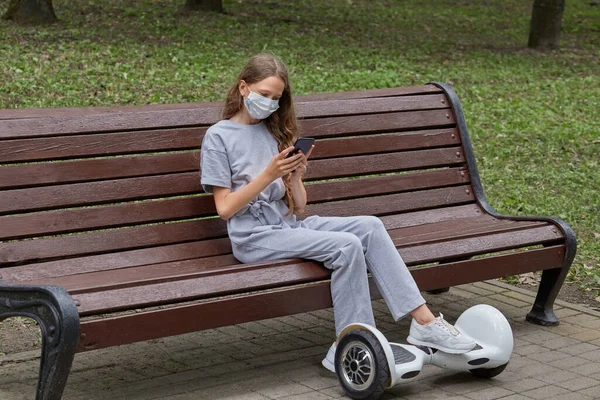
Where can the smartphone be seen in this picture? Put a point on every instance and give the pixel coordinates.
(304, 144)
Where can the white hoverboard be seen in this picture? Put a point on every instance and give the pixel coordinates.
(366, 363)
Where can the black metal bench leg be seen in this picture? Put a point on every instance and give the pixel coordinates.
(542, 312)
(54, 310)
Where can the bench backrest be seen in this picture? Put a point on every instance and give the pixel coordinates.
(90, 188)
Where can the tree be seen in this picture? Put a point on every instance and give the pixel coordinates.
(544, 33)
(31, 12)
(204, 5)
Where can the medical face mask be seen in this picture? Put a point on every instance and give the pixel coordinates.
(260, 107)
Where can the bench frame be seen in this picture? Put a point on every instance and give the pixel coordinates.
(56, 311)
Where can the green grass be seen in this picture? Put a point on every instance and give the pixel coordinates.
(534, 118)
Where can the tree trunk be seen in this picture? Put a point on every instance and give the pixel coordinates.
(34, 12)
(204, 5)
(546, 17)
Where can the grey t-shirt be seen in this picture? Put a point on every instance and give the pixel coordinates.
(232, 155)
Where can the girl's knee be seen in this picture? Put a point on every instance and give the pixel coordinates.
(371, 222)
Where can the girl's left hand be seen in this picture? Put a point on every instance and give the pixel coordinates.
(299, 172)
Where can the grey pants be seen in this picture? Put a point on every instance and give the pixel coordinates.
(349, 246)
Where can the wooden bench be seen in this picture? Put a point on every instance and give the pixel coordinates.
(108, 239)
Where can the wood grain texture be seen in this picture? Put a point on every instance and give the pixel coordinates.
(161, 186)
(60, 124)
(153, 235)
(222, 264)
(303, 271)
(197, 249)
(63, 221)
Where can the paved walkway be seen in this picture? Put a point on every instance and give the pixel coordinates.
(280, 359)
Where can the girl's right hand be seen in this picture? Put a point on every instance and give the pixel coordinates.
(280, 166)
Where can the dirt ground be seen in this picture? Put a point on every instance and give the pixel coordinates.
(22, 334)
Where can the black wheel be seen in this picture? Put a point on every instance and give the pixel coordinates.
(488, 372)
(361, 365)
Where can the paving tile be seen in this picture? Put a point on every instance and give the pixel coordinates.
(465, 294)
(545, 392)
(566, 312)
(564, 329)
(536, 369)
(465, 387)
(529, 299)
(477, 290)
(273, 387)
(593, 355)
(557, 377)
(516, 397)
(579, 384)
(587, 369)
(593, 393)
(562, 343)
(489, 286)
(489, 393)
(569, 362)
(584, 320)
(572, 396)
(548, 356)
(587, 335)
(539, 336)
(580, 348)
(334, 392)
(311, 396)
(522, 385)
(529, 349)
(509, 300)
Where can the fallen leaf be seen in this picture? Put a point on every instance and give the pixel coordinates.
(597, 299)
(597, 235)
(528, 279)
(585, 266)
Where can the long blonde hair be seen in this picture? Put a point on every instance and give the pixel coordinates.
(282, 123)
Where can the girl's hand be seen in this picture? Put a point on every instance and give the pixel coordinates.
(301, 169)
(280, 166)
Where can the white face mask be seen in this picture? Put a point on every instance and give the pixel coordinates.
(260, 107)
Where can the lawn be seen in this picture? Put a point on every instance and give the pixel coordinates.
(534, 118)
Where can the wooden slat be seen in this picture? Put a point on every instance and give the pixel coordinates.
(170, 292)
(389, 162)
(195, 268)
(100, 144)
(370, 123)
(99, 192)
(133, 166)
(197, 249)
(79, 111)
(97, 334)
(478, 245)
(208, 314)
(96, 169)
(82, 219)
(106, 122)
(152, 235)
(57, 125)
(326, 108)
(361, 94)
(189, 289)
(56, 148)
(95, 193)
(43, 127)
(74, 111)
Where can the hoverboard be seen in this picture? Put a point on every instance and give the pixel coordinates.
(366, 363)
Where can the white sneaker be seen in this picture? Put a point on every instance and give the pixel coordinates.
(329, 360)
(440, 335)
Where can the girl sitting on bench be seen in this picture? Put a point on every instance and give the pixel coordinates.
(259, 191)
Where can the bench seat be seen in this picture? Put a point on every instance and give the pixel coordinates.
(107, 237)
